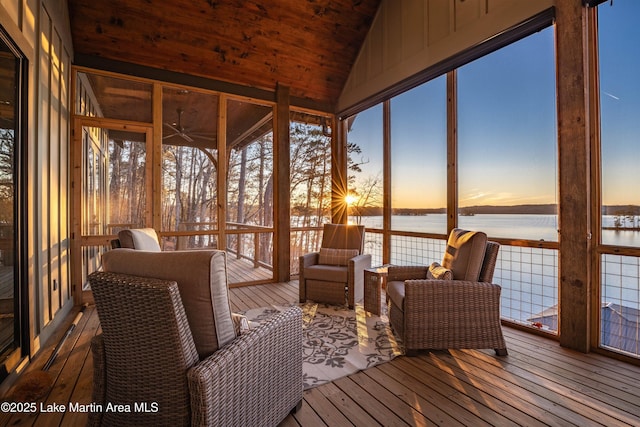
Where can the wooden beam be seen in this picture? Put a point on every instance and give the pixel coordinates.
(76, 208)
(452, 151)
(386, 182)
(339, 184)
(282, 184)
(596, 200)
(155, 149)
(574, 256)
(223, 163)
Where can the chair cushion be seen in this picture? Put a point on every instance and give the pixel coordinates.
(436, 271)
(201, 276)
(395, 292)
(343, 236)
(464, 254)
(329, 273)
(143, 239)
(329, 256)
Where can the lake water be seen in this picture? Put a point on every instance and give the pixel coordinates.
(529, 227)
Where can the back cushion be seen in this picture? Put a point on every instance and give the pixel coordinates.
(340, 236)
(143, 239)
(202, 280)
(330, 256)
(465, 253)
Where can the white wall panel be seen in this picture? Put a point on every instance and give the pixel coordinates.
(41, 30)
(12, 8)
(409, 36)
(42, 170)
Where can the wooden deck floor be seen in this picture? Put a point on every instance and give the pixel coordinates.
(539, 383)
(241, 270)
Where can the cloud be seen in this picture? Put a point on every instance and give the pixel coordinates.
(611, 96)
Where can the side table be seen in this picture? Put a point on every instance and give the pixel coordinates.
(374, 278)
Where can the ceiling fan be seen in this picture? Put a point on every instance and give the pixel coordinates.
(179, 130)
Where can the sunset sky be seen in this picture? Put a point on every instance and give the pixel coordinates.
(620, 101)
(507, 124)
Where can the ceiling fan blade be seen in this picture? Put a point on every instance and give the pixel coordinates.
(177, 132)
(202, 136)
(185, 137)
(172, 127)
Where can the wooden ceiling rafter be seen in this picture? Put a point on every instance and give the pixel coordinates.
(256, 131)
(308, 45)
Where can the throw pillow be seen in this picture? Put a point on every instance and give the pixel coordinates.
(438, 272)
(330, 256)
(240, 323)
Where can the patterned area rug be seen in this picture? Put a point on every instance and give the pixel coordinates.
(338, 342)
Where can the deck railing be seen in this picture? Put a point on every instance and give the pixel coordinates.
(619, 303)
(303, 240)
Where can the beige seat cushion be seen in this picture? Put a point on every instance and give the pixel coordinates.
(202, 280)
(395, 292)
(465, 253)
(329, 273)
(142, 239)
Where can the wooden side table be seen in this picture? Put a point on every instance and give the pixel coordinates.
(374, 279)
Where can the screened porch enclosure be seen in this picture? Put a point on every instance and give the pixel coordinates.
(199, 193)
(198, 167)
(207, 169)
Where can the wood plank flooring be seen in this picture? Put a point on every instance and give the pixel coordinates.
(243, 271)
(538, 384)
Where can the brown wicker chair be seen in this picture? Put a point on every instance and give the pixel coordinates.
(146, 358)
(449, 314)
(335, 274)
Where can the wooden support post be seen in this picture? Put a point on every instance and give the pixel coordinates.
(339, 186)
(386, 183)
(452, 151)
(282, 204)
(154, 147)
(574, 174)
(223, 164)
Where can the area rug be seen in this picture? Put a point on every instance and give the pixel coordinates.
(338, 342)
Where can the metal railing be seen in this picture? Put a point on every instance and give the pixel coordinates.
(620, 303)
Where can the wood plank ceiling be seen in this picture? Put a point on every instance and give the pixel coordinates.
(308, 45)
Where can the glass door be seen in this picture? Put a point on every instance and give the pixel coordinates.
(13, 301)
(115, 185)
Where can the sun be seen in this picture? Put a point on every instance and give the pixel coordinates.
(350, 199)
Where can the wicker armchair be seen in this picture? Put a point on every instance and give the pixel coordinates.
(461, 311)
(146, 358)
(335, 274)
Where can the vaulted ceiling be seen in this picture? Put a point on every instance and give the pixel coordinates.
(308, 45)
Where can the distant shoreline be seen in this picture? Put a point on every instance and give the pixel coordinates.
(528, 209)
(622, 228)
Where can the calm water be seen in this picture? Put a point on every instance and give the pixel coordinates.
(530, 227)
